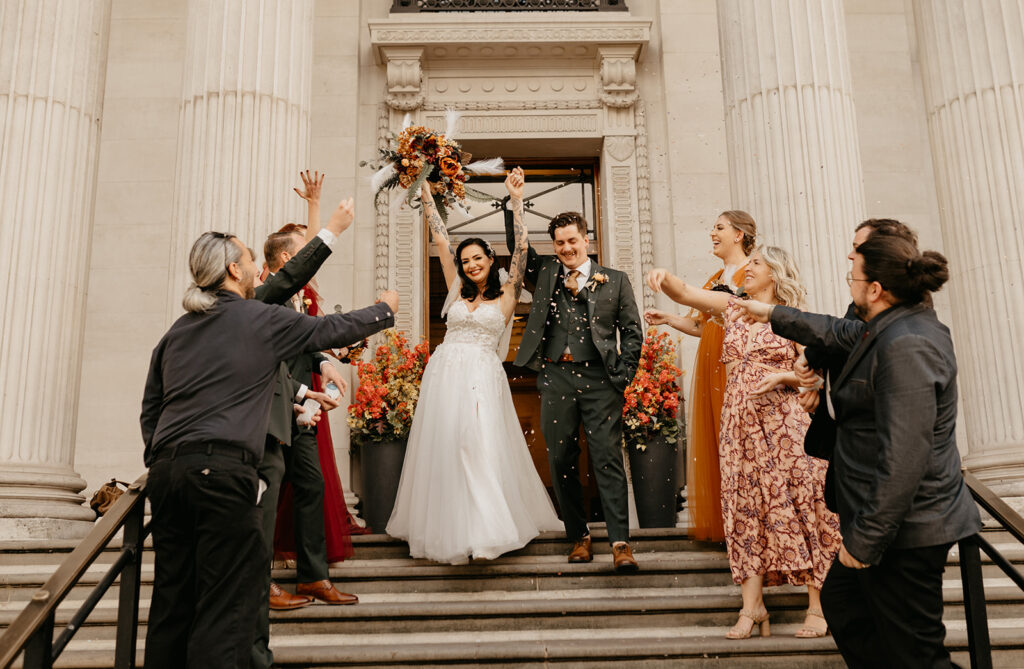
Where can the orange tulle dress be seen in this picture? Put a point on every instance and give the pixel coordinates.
(703, 476)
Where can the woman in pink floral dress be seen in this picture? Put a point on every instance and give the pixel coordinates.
(777, 527)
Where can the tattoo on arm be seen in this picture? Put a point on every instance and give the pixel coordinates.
(434, 221)
(519, 254)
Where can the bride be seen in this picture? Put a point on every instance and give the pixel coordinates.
(469, 487)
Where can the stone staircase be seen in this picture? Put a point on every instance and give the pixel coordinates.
(528, 609)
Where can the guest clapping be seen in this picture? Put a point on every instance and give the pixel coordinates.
(777, 529)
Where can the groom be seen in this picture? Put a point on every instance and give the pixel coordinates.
(580, 311)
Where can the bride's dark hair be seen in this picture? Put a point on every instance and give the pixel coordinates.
(492, 290)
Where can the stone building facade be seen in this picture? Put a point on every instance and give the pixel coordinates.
(130, 126)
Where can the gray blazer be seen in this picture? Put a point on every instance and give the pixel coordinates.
(898, 480)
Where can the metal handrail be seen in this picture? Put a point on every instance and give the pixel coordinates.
(975, 607)
(32, 630)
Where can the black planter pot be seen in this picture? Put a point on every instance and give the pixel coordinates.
(654, 482)
(382, 470)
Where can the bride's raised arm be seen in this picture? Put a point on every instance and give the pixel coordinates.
(517, 270)
(439, 233)
(708, 301)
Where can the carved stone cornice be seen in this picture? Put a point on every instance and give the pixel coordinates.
(618, 74)
(518, 36)
(405, 76)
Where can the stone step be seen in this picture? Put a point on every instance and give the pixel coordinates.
(680, 646)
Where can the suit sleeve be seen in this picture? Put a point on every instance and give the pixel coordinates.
(152, 400)
(833, 336)
(820, 358)
(290, 333)
(905, 384)
(631, 334)
(533, 259)
(295, 274)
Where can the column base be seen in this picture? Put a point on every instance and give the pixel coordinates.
(42, 503)
(1001, 469)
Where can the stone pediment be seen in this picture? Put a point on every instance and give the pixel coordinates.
(508, 35)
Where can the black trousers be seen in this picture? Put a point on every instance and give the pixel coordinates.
(302, 470)
(570, 393)
(271, 470)
(209, 552)
(889, 615)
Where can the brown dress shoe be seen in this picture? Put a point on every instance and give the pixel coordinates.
(623, 557)
(581, 551)
(326, 592)
(281, 600)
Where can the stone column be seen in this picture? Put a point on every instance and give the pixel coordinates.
(52, 63)
(244, 124)
(794, 160)
(972, 55)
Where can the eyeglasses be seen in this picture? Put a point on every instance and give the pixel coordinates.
(850, 279)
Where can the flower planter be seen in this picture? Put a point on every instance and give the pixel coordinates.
(382, 470)
(654, 482)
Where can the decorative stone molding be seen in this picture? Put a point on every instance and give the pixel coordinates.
(510, 105)
(618, 75)
(620, 147)
(382, 223)
(564, 124)
(405, 77)
(643, 197)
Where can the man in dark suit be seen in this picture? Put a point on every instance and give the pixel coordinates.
(901, 497)
(584, 337)
(820, 439)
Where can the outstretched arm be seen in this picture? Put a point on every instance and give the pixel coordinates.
(708, 301)
(533, 259)
(685, 324)
(311, 186)
(440, 235)
(520, 251)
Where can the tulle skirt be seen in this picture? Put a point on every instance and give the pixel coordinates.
(468, 486)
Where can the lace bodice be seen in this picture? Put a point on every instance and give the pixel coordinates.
(483, 326)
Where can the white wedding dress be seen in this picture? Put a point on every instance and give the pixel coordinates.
(468, 487)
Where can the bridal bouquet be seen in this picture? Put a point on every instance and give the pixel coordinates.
(420, 155)
(652, 399)
(389, 388)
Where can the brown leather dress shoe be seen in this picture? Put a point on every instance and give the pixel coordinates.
(581, 551)
(326, 592)
(623, 556)
(281, 600)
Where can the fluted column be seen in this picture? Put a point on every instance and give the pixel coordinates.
(972, 55)
(244, 124)
(52, 62)
(794, 161)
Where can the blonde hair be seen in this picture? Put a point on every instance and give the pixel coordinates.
(744, 222)
(789, 290)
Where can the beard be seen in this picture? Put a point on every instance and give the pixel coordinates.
(861, 310)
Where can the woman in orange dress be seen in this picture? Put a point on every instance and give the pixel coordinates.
(778, 529)
(732, 239)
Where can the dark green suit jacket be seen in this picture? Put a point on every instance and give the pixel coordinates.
(611, 306)
(278, 289)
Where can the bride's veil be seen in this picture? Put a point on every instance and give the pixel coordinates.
(456, 289)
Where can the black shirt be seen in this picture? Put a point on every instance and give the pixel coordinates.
(211, 377)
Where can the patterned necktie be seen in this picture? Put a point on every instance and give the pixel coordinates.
(570, 281)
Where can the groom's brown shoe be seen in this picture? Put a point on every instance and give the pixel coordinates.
(623, 557)
(581, 551)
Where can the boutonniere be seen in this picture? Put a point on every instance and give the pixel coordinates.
(597, 279)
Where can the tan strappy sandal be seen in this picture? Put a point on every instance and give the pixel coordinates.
(756, 618)
(807, 632)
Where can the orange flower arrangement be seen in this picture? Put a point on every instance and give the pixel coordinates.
(420, 155)
(389, 388)
(652, 399)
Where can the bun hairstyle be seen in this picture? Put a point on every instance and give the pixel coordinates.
(492, 290)
(743, 222)
(208, 263)
(907, 274)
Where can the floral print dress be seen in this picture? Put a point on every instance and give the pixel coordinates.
(773, 501)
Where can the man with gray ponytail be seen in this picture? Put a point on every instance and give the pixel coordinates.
(901, 497)
(204, 419)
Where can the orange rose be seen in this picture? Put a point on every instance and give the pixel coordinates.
(449, 166)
